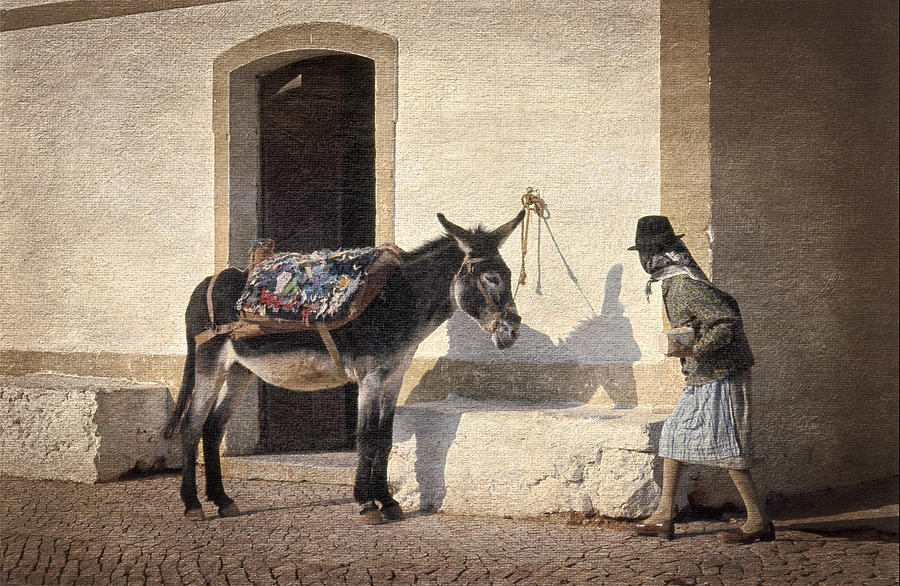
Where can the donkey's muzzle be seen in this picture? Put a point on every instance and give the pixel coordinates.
(505, 329)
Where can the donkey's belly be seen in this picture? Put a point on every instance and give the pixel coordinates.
(295, 371)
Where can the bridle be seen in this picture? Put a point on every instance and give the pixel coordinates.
(496, 321)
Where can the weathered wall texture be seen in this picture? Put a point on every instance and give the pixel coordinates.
(803, 108)
(784, 138)
(684, 140)
(108, 158)
(83, 429)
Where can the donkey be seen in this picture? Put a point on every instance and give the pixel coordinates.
(463, 268)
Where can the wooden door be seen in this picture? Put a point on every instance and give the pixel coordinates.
(317, 151)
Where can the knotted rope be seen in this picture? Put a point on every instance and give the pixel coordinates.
(532, 202)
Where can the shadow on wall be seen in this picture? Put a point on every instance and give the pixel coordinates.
(434, 433)
(597, 356)
(805, 245)
(609, 338)
(533, 369)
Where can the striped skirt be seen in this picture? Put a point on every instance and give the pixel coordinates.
(710, 424)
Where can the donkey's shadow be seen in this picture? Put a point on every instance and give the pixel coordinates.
(606, 339)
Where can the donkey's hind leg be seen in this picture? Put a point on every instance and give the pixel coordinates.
(236, 383)
(210, 374)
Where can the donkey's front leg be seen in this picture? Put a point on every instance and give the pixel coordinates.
(378, 393)
(367, 447)
(390, 508)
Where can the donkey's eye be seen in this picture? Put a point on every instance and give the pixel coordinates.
(491, 279)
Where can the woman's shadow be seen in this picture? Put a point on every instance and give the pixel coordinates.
(608, 339)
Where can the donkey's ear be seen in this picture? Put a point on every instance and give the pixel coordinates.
(503, 232)
(459, 234)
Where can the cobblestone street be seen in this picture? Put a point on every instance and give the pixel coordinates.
(132, 532)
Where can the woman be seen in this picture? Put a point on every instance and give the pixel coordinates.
(710, 423)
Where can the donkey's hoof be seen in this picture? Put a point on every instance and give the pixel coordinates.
(372, 517)
(230, 510)
(194, 515)
(392, 512)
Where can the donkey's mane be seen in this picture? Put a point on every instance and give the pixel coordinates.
(441, 246)
(430, 257)
(438, 244)
(427, 249)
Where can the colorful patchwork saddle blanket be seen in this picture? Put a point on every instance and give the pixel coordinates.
(290, 291)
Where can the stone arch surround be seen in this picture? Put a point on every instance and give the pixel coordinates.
(236, 126)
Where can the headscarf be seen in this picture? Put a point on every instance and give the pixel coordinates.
(672, 259)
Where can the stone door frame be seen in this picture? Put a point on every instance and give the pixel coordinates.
(236, 123)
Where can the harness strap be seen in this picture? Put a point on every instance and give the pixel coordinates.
(210, 333)
(213, 330)
(332, 347)
(326, 336)
(209, 301)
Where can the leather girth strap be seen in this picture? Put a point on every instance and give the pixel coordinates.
(332, 347)
(326, 336)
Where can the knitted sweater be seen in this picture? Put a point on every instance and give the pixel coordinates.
(721, 349)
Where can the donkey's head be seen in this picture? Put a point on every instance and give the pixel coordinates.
(482, 285)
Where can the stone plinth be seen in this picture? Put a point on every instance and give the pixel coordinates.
(84, 429)
(506, 459)
(475, 457)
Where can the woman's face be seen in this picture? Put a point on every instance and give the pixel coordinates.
(646, 256)
(657, 256)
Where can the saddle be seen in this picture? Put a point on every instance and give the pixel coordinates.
(291, 292)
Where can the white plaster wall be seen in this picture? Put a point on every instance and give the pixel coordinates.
(565, 100)
(107, 158)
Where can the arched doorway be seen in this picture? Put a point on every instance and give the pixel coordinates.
(317, 190)
(298, 113)
(317, 153)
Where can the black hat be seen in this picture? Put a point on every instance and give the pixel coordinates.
(653, 231)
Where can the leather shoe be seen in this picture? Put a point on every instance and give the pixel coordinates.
(665, 530)
(767, 533)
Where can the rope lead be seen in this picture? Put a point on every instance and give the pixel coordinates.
(532, 202)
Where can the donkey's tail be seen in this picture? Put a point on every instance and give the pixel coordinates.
(186, 392)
